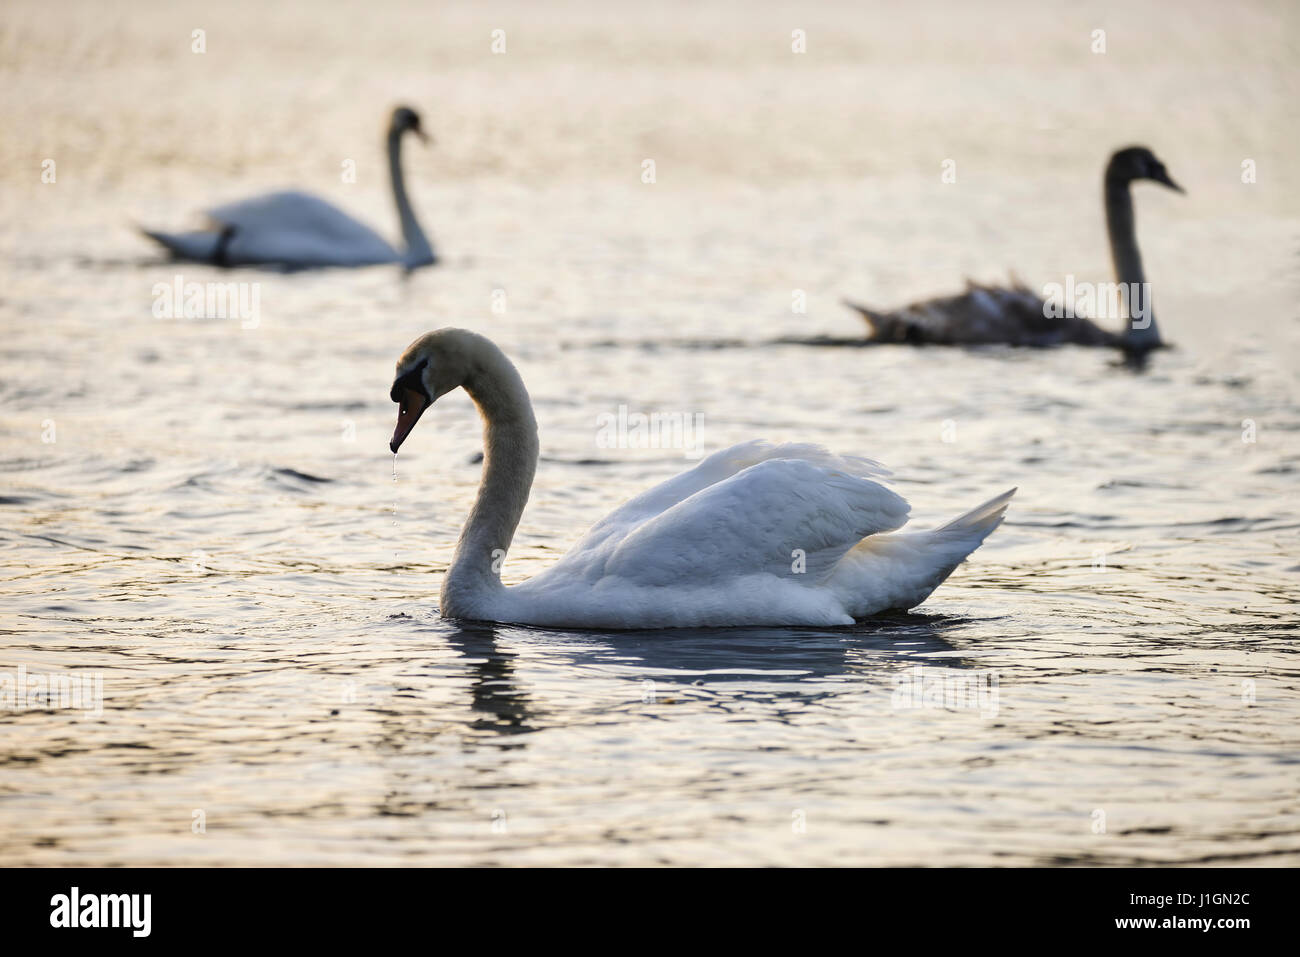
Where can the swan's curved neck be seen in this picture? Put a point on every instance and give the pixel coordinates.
(418, 252)
(1121, 227)
(510, 449)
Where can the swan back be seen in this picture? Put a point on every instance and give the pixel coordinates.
(300, 229)
(983, 315)
(755, 528)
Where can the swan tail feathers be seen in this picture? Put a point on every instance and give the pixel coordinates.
(899, 571)
(202, 246)
(869, 317)
(980, 520)
(885, 326)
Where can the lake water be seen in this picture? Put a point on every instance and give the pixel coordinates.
(203, 513)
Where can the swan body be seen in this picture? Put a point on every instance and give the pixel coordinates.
(756, 534)
(296, 230)
(984, 315)
(1016, 316)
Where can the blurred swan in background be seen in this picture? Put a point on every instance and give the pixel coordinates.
(299, 231)
(756, 534)
(1017, 316)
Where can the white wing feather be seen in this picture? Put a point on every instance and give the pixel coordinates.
(742, 511)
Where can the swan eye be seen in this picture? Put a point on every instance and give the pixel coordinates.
(412, 381)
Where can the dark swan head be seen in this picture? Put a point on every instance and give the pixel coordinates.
(1138, 162)
(406, 120)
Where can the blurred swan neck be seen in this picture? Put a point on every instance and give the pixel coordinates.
(1121, 227)
(510, 450)
(418, 252)
(1123, 232)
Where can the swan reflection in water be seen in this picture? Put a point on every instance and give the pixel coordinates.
(437, 745)
(803, 661)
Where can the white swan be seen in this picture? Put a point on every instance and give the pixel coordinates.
(298, 231)
(756, 534)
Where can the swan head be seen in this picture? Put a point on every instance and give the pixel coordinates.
(406, 120)
(432, 365)
(1138, 162)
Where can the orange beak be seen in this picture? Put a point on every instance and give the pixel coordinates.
(409, 410)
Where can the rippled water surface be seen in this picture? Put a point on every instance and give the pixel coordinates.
(205, 515)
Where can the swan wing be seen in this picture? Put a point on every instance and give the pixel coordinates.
(744, 511)
(718, 467)
(298, 229)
